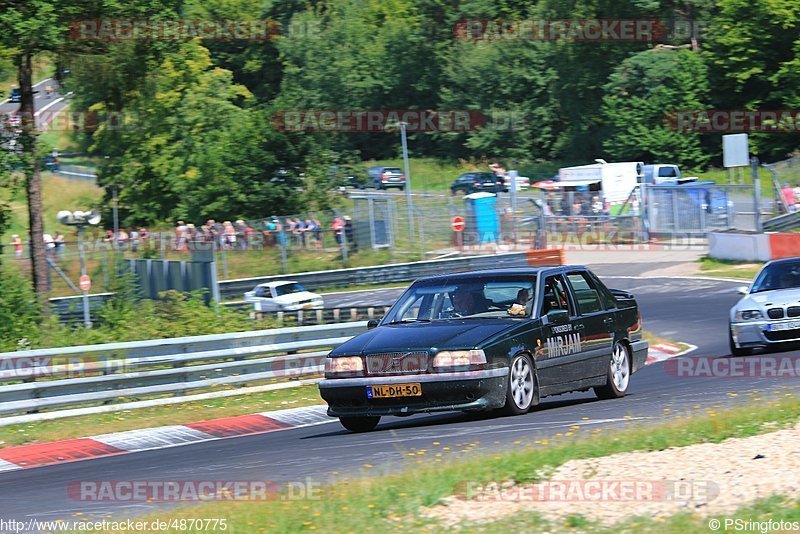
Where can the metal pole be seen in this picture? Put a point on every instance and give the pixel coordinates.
(115, 211)
(512, 179)
(756, 193)
(87, 320)
(408, 184)
(282, 240)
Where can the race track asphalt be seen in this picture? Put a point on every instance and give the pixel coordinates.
(688, 310)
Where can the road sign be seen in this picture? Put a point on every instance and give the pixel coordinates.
(458, 224)
(735, 151)
(85, 283)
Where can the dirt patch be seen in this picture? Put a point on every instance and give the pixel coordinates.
(705, 479)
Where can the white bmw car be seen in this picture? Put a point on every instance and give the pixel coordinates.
(768, 314)
(283, 296)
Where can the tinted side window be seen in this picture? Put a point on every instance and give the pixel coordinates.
(556, 296)
(605, 294)
(586, 295)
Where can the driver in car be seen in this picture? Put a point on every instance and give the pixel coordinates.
(464, 302)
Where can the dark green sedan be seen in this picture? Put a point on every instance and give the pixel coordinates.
(488, 340)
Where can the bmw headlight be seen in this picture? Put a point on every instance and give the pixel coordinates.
(748, 315)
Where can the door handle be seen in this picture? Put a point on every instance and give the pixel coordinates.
(608, 320)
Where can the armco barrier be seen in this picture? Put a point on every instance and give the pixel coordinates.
(35, 380)
(69, 308)
(378, 274)
(750, 246)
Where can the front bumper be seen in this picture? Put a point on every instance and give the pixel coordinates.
(753, 334)
(471, 390)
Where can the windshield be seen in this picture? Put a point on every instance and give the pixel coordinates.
(478, 298)
(287, 289)
(778, 276)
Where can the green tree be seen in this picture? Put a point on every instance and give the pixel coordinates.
(753, 54)
(639, 97)
(193, 146)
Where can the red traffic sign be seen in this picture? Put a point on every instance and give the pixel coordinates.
(458, 224)
(85, 283)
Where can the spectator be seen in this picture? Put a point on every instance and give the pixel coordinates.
(59, 244)
(16, 242)
(270, 229)
(788, 197)
(180, 236)
(597, 205)
(108, 239)
(49, 245)
(122, 239)
(134, 240)
(311, 229)
(337, 226)
(317, 231)
(229, 232)
(797, 197)
(348, 233)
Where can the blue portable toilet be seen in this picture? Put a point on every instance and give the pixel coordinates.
(482, 216)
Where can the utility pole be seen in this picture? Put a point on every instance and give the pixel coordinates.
(408, 183)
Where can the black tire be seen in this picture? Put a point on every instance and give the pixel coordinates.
(360, 424)
(737, 351)
(517, 404)
(614, 388)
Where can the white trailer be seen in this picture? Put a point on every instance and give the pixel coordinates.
(613, 181)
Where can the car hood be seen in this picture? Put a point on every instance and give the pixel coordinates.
(769, 299)
(448, 334)
(296, 297)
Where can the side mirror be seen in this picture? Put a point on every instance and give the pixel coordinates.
(558, 316)
(742, 290)
(372, 323)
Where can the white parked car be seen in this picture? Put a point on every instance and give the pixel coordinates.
(283, 296)
(768, 315)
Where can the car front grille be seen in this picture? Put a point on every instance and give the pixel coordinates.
(782, 335)
(775, 313)
(397, 363)
(793, 311)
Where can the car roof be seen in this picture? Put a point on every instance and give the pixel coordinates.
(510, 271)
(277, 283)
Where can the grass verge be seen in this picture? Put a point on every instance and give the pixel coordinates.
(730, 269)
(175, 414)
(393, 501)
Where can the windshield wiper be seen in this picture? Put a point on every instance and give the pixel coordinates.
(405, 321)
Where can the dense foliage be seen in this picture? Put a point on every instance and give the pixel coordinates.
(199, 136)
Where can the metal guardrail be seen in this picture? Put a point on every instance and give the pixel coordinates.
(378, 274)
(69, 308)
(35, 380)
(787, 221)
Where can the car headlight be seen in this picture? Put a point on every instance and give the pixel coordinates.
(458, 358)
(748, 315)
(350, 365)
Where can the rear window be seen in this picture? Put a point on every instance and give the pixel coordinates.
(586, 295)
(392, 170)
